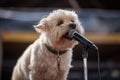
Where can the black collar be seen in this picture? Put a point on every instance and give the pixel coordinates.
(55, 51)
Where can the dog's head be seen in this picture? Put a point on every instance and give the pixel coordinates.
(56, 26)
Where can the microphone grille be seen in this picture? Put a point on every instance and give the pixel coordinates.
(71, 32)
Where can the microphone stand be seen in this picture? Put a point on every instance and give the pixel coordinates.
(85, 56)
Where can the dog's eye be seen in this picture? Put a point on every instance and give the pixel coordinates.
(59, 23)
(72, 21)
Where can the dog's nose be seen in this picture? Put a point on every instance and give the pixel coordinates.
(73, 26)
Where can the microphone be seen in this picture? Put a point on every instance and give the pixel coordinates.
(84, 41)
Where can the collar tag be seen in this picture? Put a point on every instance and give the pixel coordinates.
(58, 58)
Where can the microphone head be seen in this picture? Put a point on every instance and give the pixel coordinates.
(71, 33)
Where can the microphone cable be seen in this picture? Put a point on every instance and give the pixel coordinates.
(98, 64)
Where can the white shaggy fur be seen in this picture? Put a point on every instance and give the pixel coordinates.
(37, 62)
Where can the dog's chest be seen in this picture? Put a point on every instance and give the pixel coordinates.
(46, 67)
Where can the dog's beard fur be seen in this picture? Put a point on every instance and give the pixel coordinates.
(37, 56)
(57, 39)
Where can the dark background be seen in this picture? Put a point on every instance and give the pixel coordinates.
(101, 4)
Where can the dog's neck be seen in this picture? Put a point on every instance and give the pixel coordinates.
(54, 51)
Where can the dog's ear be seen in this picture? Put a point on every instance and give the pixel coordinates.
(81, 29)
(41, 26)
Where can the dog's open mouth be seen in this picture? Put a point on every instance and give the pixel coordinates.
(66, 36)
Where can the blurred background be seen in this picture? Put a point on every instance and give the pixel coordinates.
(100, 19)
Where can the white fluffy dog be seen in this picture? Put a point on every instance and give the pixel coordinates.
(50, 56)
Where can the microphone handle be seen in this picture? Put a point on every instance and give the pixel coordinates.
(84, 41)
